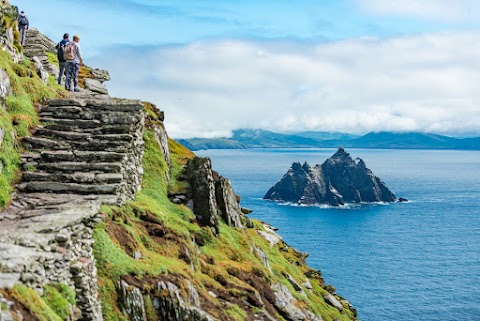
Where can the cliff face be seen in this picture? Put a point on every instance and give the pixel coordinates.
(339, 180)
(113, 220)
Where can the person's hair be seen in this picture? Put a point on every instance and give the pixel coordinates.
(76, 38)
(65, 36)
(22, 11)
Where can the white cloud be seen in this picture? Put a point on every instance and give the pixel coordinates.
(424, 83)
(445, 10)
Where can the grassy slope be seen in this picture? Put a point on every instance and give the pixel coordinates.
(166, 235)
(20, 115)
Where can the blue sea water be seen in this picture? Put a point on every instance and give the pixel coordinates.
(401, 262)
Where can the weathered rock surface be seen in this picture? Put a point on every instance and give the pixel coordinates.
(173, 306)
(132, 302)
(339, 180)
(213, 196)
(200, 176)
(5, 89)
(227, 202)
(40, 70)
(161, 137)
(101, 74)
(285, 304)
(95, 86)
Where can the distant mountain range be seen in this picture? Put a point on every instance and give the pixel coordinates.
(258, 138)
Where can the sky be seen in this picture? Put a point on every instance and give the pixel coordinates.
(288, 66)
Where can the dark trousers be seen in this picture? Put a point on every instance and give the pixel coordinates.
(63, 70)
(72, 74)
(23, 33)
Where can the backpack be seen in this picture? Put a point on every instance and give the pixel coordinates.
(69, 51)
(60, 51)
(22, 21)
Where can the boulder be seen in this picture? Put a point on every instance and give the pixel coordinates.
(101, 75)
(95, 86)
(40, 70)
(339, 180)
(284, 303)
(332, 300)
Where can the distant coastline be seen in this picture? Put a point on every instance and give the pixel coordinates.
(257, 138)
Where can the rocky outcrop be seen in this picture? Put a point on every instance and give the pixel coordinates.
(173, 306)
(132, 302)
(200, 176)
(213, 196)
(161, 137)
(227, 202)
(339, 180)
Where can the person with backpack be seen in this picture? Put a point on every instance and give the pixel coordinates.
(23, 25)
(73, 56)
(61, 59)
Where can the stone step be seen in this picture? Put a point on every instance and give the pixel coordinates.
(71, 123)
(39, 144)
(61, 135)
(85, 126)
(69, 188)
(69, 136)
(74, 156)
(76, 177)
(72, 167)
(84, 113)
(36, 143)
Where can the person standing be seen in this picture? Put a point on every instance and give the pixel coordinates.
(23, 25)
(73, 55)
(61, 59)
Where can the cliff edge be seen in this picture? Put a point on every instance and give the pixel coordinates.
(106, 218)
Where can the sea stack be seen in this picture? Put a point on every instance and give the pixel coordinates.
(339, 180)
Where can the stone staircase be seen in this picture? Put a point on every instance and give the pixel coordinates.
(37, 45)
(86, 146)
(88, 152)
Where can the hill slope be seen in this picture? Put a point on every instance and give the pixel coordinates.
(389, 140)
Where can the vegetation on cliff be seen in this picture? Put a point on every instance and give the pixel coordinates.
(155, 246)
(19, 115)
(151, 239)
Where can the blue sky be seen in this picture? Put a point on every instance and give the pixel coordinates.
(348, 65)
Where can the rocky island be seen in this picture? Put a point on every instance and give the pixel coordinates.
(339, 180)
(104, 217)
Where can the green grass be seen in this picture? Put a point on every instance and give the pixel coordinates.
(230, 251)
(59, 297)
(20, 116)
(236, 312)
(34, 303)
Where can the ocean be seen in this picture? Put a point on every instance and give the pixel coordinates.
(398, 262)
